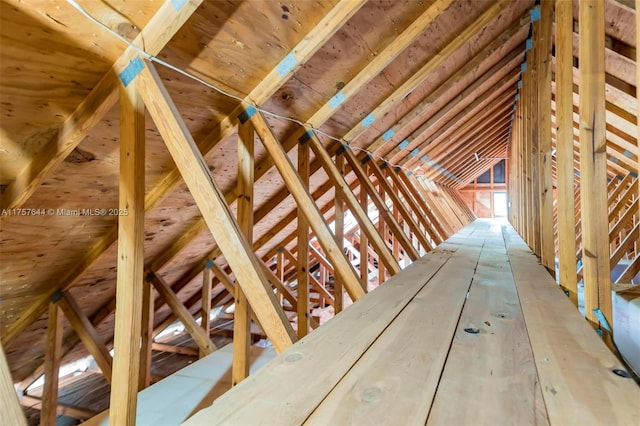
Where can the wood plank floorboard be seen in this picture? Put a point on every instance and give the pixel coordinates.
(574, 365)
(401, 355)
(490, 376)
(405, 362)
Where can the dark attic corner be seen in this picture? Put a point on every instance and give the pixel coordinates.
(319, 212)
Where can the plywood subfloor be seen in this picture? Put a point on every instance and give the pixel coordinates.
(476, 332)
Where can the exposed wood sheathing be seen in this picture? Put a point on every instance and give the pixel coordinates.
(447, 87)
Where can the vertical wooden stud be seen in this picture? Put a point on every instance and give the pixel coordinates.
(545, 180)
(593, 161)
(130, 277)
(53, 354)
(364, 243)
(383, 232)
(303, 249)
(205, 308)
(242, 314)
(147, 337)
(339, 231)
(564, 149)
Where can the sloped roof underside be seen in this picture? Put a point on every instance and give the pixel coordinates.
(453, 90)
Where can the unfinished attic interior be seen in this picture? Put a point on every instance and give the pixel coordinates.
(319, 211)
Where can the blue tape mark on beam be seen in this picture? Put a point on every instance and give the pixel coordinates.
(131, 71)
(520, 84)
(614, 160)
(523, 67)
(415, 153)
(529, 44)
(337, 100)
(409, 173)
(627, 154)
(368, 120)
(535, 14)
(178, 4)
(430, 163)
(287, 65)
(247, 114)
(633, 175)
(577, 173)
(517, 96)
(403, 144)
(209, 264)
(388, 134)
(424, 158)
(602, 319)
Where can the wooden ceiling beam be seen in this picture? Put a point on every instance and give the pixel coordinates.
(495, 156)
(493, 52)
(481, 136)
(52, 357)
(130, 259)
(492, 150)
(429, 202)
(467, 99)
(485, 140)
(154, 36)
(438, 227)
(79, 413)
(456, 42)
(288, 219)
(616, 159)
(621, 138)
(473, 123)
(470, 127)
(242, 313)
(379, 62)
(302, 262)
(265, 166)
(630, 271)
(458, 124)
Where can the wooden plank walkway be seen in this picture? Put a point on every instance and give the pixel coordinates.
(474, 333)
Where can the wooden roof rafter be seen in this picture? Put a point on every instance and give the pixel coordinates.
(303, 51)
(154, 36)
